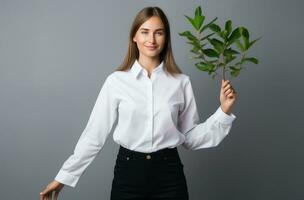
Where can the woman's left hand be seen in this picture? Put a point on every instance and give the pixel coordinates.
(227, 96)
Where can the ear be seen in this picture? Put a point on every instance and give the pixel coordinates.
(134, 40)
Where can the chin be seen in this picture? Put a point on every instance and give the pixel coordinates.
(152, 54)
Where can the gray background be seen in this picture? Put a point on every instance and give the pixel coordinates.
(55, 56)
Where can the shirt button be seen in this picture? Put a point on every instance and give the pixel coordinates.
(128, 158)
(148, 157)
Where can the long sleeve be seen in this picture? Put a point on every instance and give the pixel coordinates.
(206, 134)
(93, 137)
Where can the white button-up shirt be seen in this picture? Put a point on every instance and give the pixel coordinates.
(153, 113)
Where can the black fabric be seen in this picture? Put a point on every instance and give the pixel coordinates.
(137, 177)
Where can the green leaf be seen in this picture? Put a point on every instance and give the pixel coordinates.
(207, 36)
(195, 50)
(204, 66)
(198, 11)
(245, 36)
(223, 34)
(207, 25)
(230, 52)
(200, 46)
(211, 53)
(234, 36)
(228, 26)
(254, 41)
(191, 21)
(215, 28)
(252, 59)
(217, 44)
(244, 32)
(189, 35)
(234, 71)
(240, 45)
(198, 19)
(197, 47)
(233, 67)
(229, 58)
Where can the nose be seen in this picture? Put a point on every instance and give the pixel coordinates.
(152, 38)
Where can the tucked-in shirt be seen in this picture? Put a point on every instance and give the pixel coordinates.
(153, 113)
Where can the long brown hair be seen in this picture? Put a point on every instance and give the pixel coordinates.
(166, 55)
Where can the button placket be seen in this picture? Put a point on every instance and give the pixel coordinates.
(150, 109)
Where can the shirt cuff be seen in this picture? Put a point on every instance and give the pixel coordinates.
(223, 117)
(66, 178)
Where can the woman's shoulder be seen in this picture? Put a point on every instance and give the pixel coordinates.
(118, 74)
(184, 78)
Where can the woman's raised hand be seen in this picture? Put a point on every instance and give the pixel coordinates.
(227, 96)
(52, 187)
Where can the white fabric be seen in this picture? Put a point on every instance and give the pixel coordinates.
(153, 113)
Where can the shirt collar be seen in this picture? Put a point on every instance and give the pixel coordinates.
(136, 68)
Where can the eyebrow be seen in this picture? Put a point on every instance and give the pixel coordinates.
(159, 29)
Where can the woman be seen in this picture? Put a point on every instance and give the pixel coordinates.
(157, 113)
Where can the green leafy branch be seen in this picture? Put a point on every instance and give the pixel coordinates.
(221, 53)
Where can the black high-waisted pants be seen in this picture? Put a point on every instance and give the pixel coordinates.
(149, 176)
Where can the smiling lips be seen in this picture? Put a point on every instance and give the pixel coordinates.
(151, 47)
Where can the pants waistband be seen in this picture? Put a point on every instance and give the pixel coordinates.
(160, 153)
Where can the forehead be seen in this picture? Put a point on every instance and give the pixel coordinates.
(153, 23)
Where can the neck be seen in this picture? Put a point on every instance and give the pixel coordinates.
(149, 63)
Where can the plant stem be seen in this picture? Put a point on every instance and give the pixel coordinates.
(220, 61)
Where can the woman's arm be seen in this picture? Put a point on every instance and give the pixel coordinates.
(92, 138)
(206, 134)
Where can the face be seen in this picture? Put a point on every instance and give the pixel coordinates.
(150, 38)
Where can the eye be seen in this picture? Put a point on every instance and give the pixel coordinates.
(144, 32)
(160, 33)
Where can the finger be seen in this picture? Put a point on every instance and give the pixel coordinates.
(49, 197)
(40, 196)
(230, 96)
(46, 190)
(43, 194)
(233, 94)
(224, 83)
(227, 91)
(56, 195)
(231, 88)
(227, 87)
